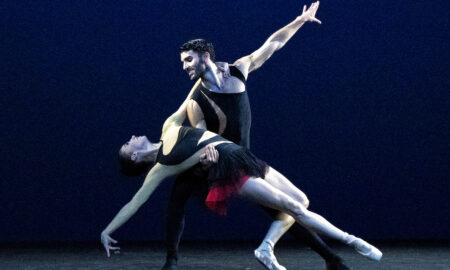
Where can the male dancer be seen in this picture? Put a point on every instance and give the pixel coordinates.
(219, 102)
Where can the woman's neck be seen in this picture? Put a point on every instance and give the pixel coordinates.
(151, 152)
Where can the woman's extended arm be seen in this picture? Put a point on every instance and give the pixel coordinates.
(152, 180)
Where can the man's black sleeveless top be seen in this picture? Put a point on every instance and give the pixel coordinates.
(236, 108)
(185, 146)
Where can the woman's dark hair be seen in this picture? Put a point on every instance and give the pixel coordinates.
(129, 167)
(200, 46)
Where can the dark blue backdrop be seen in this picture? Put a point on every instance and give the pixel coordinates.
(354, 111)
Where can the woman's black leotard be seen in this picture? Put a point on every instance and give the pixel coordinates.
(234, 161)
(185, 146)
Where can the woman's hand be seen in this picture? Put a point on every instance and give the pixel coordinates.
(106, 241)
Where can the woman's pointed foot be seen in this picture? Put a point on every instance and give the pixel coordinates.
(366, 249)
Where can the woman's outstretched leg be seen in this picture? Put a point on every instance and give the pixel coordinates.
(283, 222)
(264, 193)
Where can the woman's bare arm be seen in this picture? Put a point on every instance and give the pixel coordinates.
(152, 180)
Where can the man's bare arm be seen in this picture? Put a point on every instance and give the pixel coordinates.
(276, 41)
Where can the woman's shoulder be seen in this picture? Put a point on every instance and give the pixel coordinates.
(170, 132)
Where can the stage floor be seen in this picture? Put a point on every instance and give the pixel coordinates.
(216, 256)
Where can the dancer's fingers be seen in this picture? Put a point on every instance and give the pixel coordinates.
(216, 155)
(208, 153)
(112, 240)
(210, 158)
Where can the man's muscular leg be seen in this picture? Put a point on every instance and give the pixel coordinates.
(181, 192)
(191, 182)
(175, 221)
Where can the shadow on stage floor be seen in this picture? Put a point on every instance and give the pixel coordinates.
(404, 255)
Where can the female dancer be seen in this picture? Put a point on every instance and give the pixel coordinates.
(238, 171)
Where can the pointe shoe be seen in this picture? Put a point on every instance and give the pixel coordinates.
(366, 249)
(267, 258)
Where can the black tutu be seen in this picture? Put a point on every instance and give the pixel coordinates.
(234, 163)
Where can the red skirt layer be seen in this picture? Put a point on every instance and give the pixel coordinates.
(218, 196)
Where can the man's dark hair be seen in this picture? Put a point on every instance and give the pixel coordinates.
(199, 46)
(129, 167)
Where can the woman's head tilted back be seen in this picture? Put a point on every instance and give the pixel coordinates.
(137, 156)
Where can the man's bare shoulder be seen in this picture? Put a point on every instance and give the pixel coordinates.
(243, 64)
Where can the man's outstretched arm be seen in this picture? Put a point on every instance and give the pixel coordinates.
(276, 41)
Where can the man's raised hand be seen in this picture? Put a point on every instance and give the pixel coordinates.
(309, 14)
